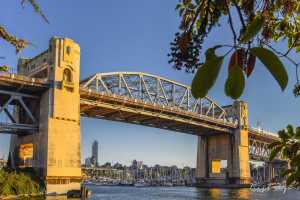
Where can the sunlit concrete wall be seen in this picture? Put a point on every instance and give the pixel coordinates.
(232, 147)
(57, 145)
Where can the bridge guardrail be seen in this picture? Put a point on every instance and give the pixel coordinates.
(262, 131)
(23, 78)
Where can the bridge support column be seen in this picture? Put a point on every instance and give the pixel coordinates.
(240, 167)
(202, 157)
(56, 147)
(223, 158)
(273, 170)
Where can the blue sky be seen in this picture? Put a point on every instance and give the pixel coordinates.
(134, 35)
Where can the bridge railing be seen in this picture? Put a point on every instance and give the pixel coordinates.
(262, 131)
(17, 76)
(259, 144)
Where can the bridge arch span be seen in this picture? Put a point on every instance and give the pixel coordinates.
(156, 90)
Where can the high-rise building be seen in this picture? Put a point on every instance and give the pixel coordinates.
(134, 164)
(94, 158)
(139, 164)
(87, 162)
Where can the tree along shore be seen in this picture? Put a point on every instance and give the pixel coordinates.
(19, 183)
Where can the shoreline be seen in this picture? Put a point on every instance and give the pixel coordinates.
(21, 196)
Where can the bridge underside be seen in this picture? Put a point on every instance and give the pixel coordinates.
(17, 129)
(20, 93)
(118, 108)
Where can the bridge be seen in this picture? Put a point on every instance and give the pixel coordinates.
(44, 100)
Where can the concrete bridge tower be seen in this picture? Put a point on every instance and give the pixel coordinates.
(222, 158)
(54, 152)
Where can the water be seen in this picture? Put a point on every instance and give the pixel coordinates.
(186, 193)
(182, 193)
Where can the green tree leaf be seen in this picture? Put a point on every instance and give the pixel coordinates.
(297, 48)
(178, 6)
(297, 135)
(36, 8)
(273, 64)
(283, 135)
(207, 74)
(4, 68)
(252, 29)
(290, 130)
(294, 147)
(285, 152)
(274, 153)
(274, 144)
(284, 173)
(290, 179)
(295, 161)
(235, 82)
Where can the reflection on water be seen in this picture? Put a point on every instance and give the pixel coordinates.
(179, 193)
(242, 194)
(216, 194)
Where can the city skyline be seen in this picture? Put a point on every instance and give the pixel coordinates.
(163, 139)
(88, 160)
(132, 45)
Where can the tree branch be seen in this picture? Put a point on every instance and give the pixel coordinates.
(231, 26)
(19, 44)
(36, 8)
(297, 74)
(240, 14)
(296, 40)
(282, 55)
(196, 15)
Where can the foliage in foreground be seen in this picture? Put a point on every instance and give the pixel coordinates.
(16, 42)
(288, 148)
(255, 26)
(18, 183)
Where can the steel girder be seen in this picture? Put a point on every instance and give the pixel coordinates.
(156, 90)
(258, 150)
(14, 126)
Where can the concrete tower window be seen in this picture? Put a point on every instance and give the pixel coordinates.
(68, 49)
(67, 76)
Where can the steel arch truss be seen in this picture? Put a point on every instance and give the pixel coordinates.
(154, 89)
(12, 103)
(258, 150)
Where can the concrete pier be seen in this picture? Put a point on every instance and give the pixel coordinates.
(54, 152)
(223, 159)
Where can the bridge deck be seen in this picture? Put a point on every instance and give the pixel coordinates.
(119, 108)
(19, 83)
(262, 136)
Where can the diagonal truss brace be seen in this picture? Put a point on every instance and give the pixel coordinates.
(156, 90)
(18, 97)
